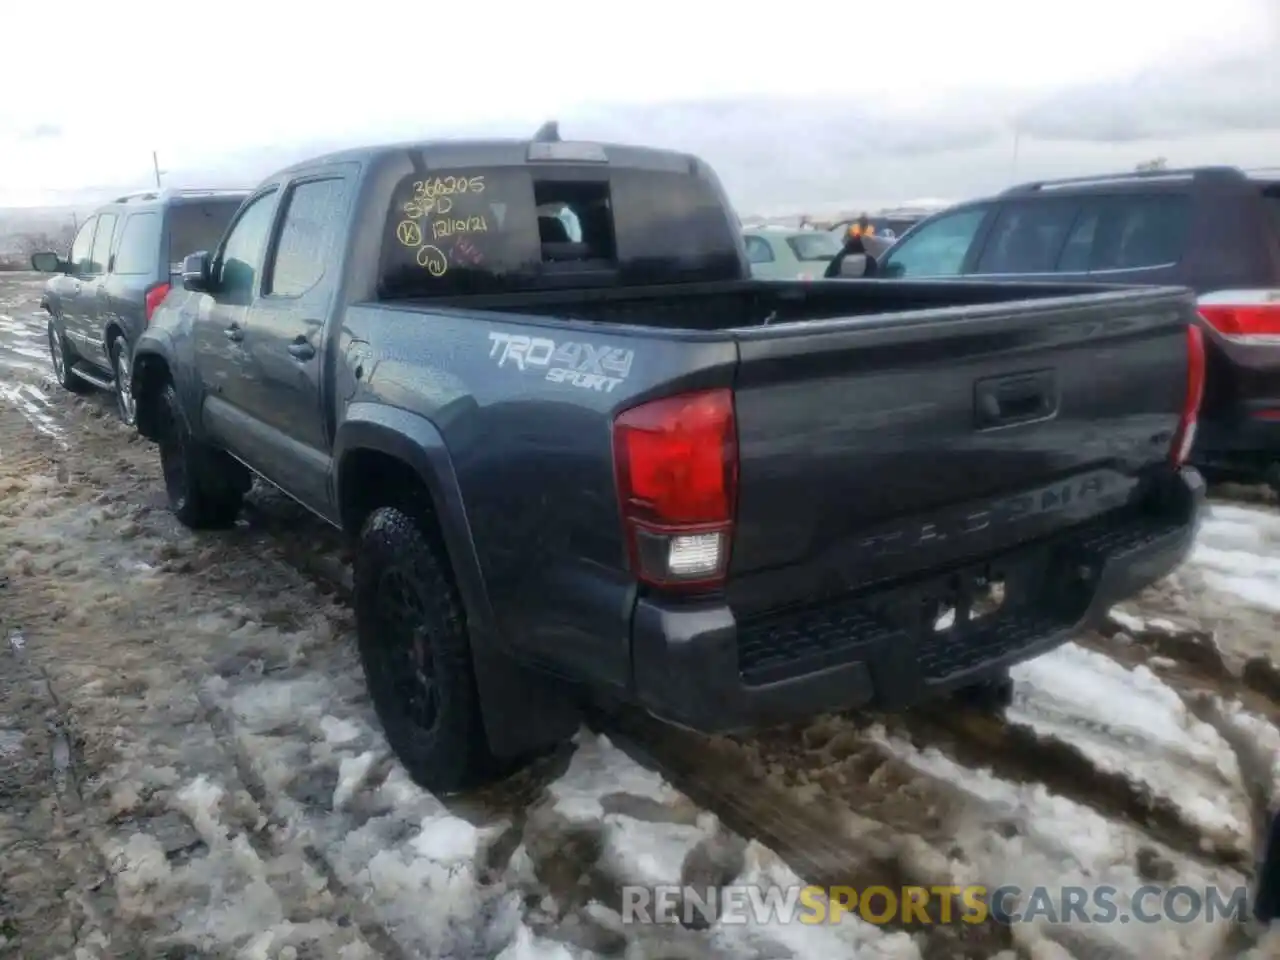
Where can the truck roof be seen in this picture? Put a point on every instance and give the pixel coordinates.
(503, 152)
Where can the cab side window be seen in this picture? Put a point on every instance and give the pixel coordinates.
(239, 265)
(937, 249)
(82, 248)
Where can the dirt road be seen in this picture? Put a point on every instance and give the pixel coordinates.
(190, 766)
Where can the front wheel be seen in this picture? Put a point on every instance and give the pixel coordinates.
(122, 366)
(416, 654)
(62, 357)
(200, 481)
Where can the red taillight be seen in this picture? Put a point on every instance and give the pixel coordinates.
(1245, 321)
(676, 462)
(155, 297)
(1185, 438)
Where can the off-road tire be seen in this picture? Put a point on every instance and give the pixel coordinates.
(450, 752)
(122, 369)
(63, 359)
(200, 481)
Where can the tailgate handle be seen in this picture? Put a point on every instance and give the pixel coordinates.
(1017, 398)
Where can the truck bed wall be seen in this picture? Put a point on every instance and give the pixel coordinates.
(712, 307)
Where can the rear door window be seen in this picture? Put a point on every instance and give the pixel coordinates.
(312, 219)
(1028, 236)
(1127, 232)
(198, 225)
(100, 259)
(1140, 232)
(139, 252)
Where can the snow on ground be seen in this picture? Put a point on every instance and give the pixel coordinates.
(190, 765)
(1238, 553)
(1129, 721)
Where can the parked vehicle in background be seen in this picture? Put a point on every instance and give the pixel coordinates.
(1213, 229)
(123, 261)
(781, 253)
(577, 448)
(885, 227)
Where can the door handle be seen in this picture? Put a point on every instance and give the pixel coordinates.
(1019, 398)
(233, 333)
(301, 349)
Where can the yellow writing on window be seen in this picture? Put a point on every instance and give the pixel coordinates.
(435, 187)
(409, 233)
(433, 260)
(452, 226)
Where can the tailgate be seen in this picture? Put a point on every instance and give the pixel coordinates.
(879, 447)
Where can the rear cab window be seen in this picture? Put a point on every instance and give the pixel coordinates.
(521, 228)
(198, 225)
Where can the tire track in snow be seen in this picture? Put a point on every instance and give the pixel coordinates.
(898, 836)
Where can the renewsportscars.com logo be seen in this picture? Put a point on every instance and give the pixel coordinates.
(912, 906)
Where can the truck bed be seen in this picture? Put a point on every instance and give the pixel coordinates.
(742, 304)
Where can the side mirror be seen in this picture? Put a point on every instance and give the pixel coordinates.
(47, 263)
(891, 270)
(196, 272)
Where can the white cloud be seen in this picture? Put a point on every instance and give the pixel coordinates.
(858, 95)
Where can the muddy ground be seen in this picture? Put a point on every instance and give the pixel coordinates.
(189, 766)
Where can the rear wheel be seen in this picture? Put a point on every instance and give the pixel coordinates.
(203, 484)
(63, 358)
(122, 366)
(416, 654)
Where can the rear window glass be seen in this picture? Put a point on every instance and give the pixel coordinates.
(1134, 232)
(139, 252)
(1027, 237)
(512, 229)
(198, 226)
(814, 246)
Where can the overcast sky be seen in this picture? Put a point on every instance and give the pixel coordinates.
(846, 102)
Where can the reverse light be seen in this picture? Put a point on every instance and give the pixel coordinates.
(1185, 437)
(676, 466)
(155, 296)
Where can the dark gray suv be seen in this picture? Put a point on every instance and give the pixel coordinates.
(122, 264)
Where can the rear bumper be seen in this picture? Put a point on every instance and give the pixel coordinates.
(697, 666)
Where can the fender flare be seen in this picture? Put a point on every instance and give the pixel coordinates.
(521, 712)
(415, 440)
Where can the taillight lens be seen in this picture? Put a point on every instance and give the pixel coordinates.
(676, 463)
(155, 297)
(1244, 322)
(1185, 438)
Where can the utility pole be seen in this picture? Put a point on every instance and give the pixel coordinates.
(1013, 170)
(155, 163)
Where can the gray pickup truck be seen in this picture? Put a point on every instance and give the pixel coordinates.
(579, 452)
